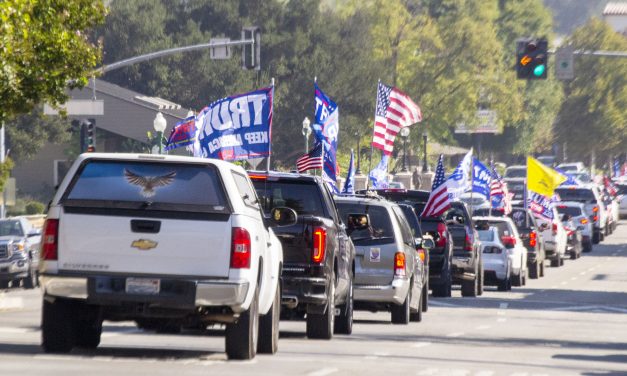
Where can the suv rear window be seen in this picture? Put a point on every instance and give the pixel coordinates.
(577, 194)
(572, 211)
(380, 230)
(303, 197)
(516, 172)
(118, 184)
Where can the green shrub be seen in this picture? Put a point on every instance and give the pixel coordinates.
(35, 207)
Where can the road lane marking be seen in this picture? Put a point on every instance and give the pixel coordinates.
(455, 334)
(503, 305)
(501, 319)
(573, 278)
(421, 344)
(438, 303)
(483, 327)
(10, 303)
(11, 330)
(323, 372)
(484, 373)
(563, 283)
(583, 273)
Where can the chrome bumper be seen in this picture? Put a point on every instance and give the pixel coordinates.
(394, 293)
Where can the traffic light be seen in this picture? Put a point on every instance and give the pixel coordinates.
(532, 58)
(251, 53)
(91, 135)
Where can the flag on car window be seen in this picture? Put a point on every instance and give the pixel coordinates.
(439, 200)
(394, 110)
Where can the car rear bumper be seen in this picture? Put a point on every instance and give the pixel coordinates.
(173, 293)
(393, 293)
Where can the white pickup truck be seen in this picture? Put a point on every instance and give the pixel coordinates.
(162, 240)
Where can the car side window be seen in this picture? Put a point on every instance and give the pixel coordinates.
(404, 226)
(246, 191)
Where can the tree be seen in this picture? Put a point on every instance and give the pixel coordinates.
(45, 49)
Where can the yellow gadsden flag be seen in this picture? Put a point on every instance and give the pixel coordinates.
(542, 179)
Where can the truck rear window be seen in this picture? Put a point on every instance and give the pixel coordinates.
(146, 185)
(304, 197)
(578, 195)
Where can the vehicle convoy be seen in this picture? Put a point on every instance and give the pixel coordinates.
(317, 274)
(19, 253)
(529, 231)
(389, 271)
(496, 263)
(555, 237)
(440, 258)
(590, 196)
(580, 219)
(162, 240)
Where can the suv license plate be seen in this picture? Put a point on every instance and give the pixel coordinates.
(143, 286)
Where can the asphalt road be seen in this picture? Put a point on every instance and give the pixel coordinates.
(571, 322)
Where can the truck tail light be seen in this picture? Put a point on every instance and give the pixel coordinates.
(240, 248)
(554, 228)
(421, 254)
(533, 239)
(583, 221)
(467, 244)
(441, 235)
(595, 209)
(319, 245)
(49, 240)
(399, 264)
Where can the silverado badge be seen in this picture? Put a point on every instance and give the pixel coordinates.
(144, 244)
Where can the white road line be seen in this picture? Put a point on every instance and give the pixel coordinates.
(503, 305)
(501, 319)
(421, 344)
(10, 303)
(455, 334)
(563, 283)
(483, 327)
(484, 373)
(573, 278)
(323, 372)
(11, 330)
(583, 273)
(437, 303)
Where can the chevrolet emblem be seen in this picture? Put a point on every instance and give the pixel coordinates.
(144, 244)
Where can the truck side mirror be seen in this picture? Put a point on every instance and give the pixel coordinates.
(357, 222)
(283, 216)
(428, 243)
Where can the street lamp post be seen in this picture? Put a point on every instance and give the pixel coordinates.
(306, 132)
(405, 134)
(358, 169)
(424, 152)
(159, 125)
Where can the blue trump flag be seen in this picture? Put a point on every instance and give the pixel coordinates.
(540, 205)
(183, 134)
(349, 184)
(379, 175)
(237, 127)
(570, 180)
(325, 130)
(481, 179)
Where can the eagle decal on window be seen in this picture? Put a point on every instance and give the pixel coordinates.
(149, 183)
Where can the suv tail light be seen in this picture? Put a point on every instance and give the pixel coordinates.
(421, 254)
(240, 248)
(508, 241)
(49, 240)
(399, 264)
(319, 245)
(533, 239)
(554, 228)
(467, 244)
(441, 235)
(583, 221)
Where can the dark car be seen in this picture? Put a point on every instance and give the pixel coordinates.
(527, 226)
(318, 255)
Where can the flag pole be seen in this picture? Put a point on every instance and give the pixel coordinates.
(272, 111)
(472, 182)
(371, 146)
(490, 186)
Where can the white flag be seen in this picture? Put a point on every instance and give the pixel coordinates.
(460, 180)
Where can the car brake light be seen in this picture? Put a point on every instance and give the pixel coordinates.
(441, 242)
(399, 264)
(49, 240)
(595, 209)
(583, 221)
(240, 248)
(533, 239)
(258, 177)
(421, 254)
(508, 241)
(554, 228)
(467, 244)
(595, 218)
(319, 244)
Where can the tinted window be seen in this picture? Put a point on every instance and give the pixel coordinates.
(518, 189)
(573, 212)
(622, 189)
(303, 197)
(408, 237)
(246, 192)
(11, 228)
(577, 194)
(412, 220)
(486, 235)
(516, 172)
(380, 230)
(147, 186)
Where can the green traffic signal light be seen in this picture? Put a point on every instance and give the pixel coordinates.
(539, 70)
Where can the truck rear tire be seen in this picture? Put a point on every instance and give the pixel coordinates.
(534, 271)
(241, 336)
(88, 331)
(443, 289)
(4, 284)
(57, 327)
(469, 288)
(320, 325)
(269, 327)
(480, 283)
(417, 316)
(425, 297)
(31, 281)
(344, 322)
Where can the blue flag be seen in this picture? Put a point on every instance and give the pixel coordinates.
(183, 134)
(616, 168)
(570, 180)
(379, 175)
(540, 205)
(349, 184)
(481, 179)
(237, 127)
(326, 130)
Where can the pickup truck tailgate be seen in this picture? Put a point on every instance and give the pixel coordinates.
(113, 244)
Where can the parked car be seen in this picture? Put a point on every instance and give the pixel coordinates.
(19, 253)
(318, 255)
(590, 196)
(572, 167)
(519, 171)
(581, 220)
(497, 267)
(167, 238)
(529, 231)
(554, 236)
(441, 256)
(508, 235)
(388, 275)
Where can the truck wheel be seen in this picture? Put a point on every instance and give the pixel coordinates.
(469, 288)
(320, 326)
(344, 322)
(417, 316)
(587, 246)
(555, 262)
(596, 237)
(542, 268)
(88, 330)
(400, 313)
(480, 284)
(269, 327)
(57, 329)
(425, 297)
(241, 336)
(31, 281)
(534, 271)
(443, 289)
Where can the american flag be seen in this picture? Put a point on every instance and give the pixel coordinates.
(498, 187)
(395, 110)
(311, 160)
(439, 200)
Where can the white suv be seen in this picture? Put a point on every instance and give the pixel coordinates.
(162, 240)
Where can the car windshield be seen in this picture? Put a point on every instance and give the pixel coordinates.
(379, 231)
(486, 235)
(11, 228)
(575, 194)
(516, 172)
(302, 196)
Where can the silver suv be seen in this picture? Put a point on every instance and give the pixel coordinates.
(388, 268)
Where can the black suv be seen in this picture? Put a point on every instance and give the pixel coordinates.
(318, 255)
